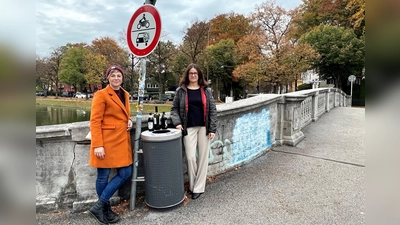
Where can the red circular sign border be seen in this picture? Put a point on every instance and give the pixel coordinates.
(146, 51)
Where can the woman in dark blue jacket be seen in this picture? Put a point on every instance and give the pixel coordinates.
(194, 112)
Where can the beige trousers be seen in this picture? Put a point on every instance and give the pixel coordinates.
(197, 169)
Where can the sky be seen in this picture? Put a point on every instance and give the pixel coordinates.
(59, 22)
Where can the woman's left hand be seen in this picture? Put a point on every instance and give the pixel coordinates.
(130, 124)
(211, 135)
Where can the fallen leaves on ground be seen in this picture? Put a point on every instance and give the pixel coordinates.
(124, 206)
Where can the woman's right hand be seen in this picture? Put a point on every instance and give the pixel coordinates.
(179, 127)
(99, 152)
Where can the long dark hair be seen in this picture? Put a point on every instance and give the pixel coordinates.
(185, 79)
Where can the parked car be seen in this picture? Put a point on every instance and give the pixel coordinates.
(135, 97)
(80, 95)
(83, 95)
(168, 96)
(165, 97)
(67, 94)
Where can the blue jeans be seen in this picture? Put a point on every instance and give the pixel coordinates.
(104, 188)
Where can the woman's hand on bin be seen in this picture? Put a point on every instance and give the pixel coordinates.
(179, 127)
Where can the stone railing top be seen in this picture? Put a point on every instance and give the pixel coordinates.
(60, 130)
(247, 104)
(65, 126)
(311, 92)
(293, 98)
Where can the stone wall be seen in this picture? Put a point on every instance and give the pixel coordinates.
(247, 129)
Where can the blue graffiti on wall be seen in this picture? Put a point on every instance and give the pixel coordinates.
(251, 135)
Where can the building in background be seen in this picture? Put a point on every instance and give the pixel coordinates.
(312, 77)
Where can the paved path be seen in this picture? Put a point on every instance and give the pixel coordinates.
(320, 181)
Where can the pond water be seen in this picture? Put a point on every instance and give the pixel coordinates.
(50, 115)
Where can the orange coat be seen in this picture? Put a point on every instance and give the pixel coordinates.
(108, 125)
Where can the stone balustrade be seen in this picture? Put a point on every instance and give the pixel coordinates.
(247, 129)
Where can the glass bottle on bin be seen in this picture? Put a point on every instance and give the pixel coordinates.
(150, 122)
(164, 121)
(157, 125)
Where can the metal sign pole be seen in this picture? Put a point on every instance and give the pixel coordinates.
(142, 52)
(351, 78)
(351, 89)
(139, 110)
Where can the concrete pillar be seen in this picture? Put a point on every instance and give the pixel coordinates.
(279, 124)
(289, 116)
(228, 99)
(314, 112)
(327, 100)
(349, 102)
(334, 97)
(343, 99)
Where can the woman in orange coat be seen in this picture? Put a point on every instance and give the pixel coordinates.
(110, 125)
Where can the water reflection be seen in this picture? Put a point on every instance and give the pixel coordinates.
(50, 115)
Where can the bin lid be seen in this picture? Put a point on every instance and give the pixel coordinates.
(161, 135)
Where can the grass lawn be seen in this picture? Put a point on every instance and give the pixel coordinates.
(87, 103)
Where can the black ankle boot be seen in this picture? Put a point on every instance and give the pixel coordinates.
(98, 210)
(110, 216)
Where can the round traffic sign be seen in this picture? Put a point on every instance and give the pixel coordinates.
(352, 78)
(144, 30)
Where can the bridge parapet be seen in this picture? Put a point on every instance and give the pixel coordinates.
(247, 129)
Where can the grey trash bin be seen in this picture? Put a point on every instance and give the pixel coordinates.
(163, 171)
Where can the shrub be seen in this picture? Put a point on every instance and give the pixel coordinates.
(304, 87)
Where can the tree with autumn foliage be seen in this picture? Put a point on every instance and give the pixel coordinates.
(340, 13)
(264, 53)
(95, 65)
(48, 68)
(342, 53)
(72, 67)
(297, 59)
(336, 30)
(228, 26)
(179, 63)
(327, 12)
(42, 73)
(221, 65)
(159, 66)
(113, 53)
(357, 12)
(55, 66)
(109, 48)
(255, 66)
(84, 64)
(195, 40)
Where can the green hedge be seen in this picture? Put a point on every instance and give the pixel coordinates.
(304, 87)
